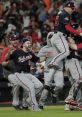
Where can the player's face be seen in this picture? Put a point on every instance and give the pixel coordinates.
(70, 9)
(28, 45)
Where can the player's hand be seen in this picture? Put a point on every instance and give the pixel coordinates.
(38, 64)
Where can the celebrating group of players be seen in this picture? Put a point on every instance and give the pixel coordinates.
(61, 47)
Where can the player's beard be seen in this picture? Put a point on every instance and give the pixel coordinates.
(28, 48)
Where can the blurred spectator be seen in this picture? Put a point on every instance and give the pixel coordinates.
(1, 49)
(43, 15)
(1, 10)
(31, 19)
(47, 4)
(44, 31)
(3, 27)
(26, 19)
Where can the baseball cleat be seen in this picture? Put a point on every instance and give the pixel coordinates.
(69, 107)
(41, 107)
(75, 108)
(26, 108)
(66, 107)
(18, 107)
(35, 108)
(79, 108)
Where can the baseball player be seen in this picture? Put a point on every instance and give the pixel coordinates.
(50, 74)
(22, 59)
(14, 42)
(63, 29)
(73, 66)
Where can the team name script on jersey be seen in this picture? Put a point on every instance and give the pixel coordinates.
(24, 58)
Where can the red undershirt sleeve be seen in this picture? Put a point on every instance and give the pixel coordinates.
(71, 30)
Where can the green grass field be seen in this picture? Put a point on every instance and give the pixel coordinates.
(49, 111)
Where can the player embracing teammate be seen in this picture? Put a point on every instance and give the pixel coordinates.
(60, 41)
